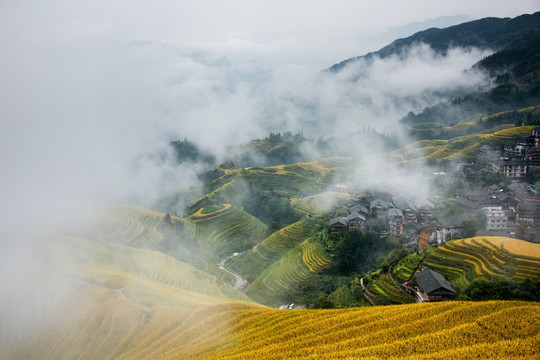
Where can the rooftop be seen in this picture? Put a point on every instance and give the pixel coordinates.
(431, 280)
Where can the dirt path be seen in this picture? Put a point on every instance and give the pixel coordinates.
(401, 287)
(119, 293)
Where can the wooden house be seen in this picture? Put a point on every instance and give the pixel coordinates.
(426, 209)
(357, 221)
(378, 208)
(360, 210)
(395, 221)
(432, 286)
(407, 207)
(526, 211)
(339, 224)
(423, 240)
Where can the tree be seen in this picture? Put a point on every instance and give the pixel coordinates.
(470, 227)
(323, 302)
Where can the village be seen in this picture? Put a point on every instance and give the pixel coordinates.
(508, 208)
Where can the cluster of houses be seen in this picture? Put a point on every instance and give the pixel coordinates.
(519, 156)
(417, 225)
(504, 210)
(384, 215)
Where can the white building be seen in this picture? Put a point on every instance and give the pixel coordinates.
(496, 218)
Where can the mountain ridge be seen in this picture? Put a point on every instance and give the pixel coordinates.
(494, 33)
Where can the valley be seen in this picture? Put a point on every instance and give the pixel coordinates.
(416, 237)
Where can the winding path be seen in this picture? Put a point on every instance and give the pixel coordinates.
(240, 283)
(367, 292)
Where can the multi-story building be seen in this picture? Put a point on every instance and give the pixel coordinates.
(496, 219)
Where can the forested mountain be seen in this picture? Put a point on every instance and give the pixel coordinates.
(491, 33)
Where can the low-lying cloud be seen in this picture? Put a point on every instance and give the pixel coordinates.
(85, 115)
(90, 103)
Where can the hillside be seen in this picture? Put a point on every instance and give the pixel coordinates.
(462, 262)
(488, 330)
(462, 148)
(201, 240)
(91, 299)
(491, 33)
(511, 72)
(267, 192)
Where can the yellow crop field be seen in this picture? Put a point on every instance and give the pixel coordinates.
(487, 330)
(516, 246)
(313, 256)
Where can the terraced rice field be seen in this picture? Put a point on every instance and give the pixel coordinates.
(129, 225)
(117, 266)
(251, 263)
(463, 147)
(273, 285)
(336, 162)
(313, 256)
(232, 191)
(226, 230)
(487, 330)
(319, 204)
(387, 291)
(462, 261)
(286, 179)
(517, 247)
(490, 257)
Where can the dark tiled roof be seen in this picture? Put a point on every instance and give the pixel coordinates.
(425, 204)
(431, 280)
(380, 203)
(339, 221)
(356, 216)
(465, 203)
(454, 220)
(359, 209)
(395, 213)
(526, 206)
(403, 203)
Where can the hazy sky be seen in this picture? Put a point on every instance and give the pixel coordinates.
(89, 87)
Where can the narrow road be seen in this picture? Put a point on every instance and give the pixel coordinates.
(240, 283)
(367, 292)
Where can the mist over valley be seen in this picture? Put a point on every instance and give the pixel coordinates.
(269, 180)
